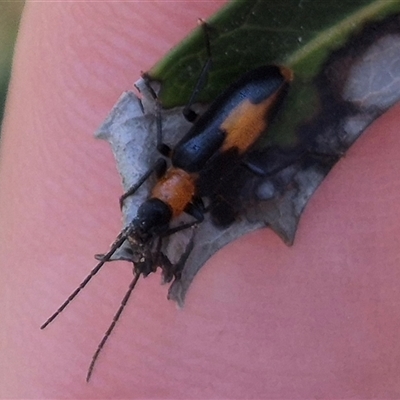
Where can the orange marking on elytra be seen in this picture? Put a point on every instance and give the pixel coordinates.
(246, 122)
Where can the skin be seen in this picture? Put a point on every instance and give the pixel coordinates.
(319, 319)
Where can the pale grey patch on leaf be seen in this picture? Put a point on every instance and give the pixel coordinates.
(374, 80)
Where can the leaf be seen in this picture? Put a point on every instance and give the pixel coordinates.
(347, 72)
(299, 34)
(246, 34)
(10, 13)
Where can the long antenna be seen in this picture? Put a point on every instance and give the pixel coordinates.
(114, 247)
(112, 325)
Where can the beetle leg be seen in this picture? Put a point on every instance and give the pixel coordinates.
(167, 267)
(162, 148)
(174, 271)
(270, 161)
(196, 210)
(159, 168)
(178, 267)
(188, 113)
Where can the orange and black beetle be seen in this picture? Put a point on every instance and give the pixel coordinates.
(218, 141)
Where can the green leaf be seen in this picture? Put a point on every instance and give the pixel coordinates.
(245, 34)
(10, 13)
(346, 63)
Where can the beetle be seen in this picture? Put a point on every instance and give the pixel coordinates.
(218, 141)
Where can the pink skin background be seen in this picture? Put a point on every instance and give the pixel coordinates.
(320, 319)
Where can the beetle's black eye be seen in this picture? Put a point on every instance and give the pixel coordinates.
(153, 213)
